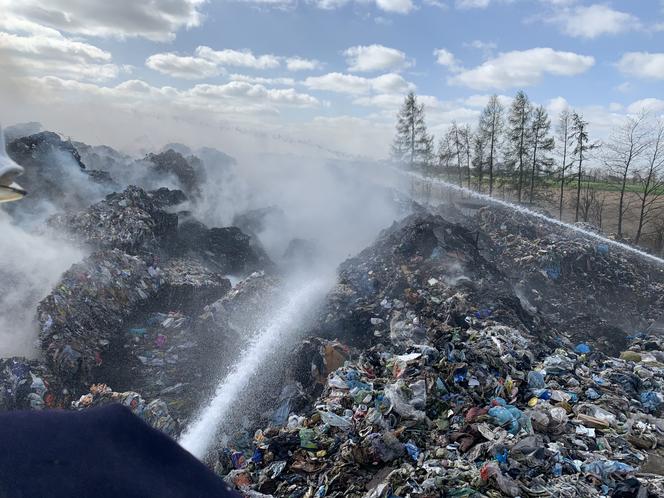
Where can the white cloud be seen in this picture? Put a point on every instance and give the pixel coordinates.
(208, 62)
(262, 81)
(481, 45)
(593, 21)
(522, 68)
(235, 95)
(374, 58)
(642, 65)
(446, 58)
(237, 58)
(157, 20)
(472, 4)
(647, 105)
(300, 64)
(186, 67)
(397, 6)
(41, 50)
(394, 6)
(557, 105)
(483, 100)
(358, 85)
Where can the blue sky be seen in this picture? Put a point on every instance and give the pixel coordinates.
(328, 74)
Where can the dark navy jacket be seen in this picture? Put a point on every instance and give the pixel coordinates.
(102, 452)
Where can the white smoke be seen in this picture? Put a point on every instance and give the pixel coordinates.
(30, 266)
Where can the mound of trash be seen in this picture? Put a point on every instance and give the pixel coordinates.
(449, 387)
(589, 288)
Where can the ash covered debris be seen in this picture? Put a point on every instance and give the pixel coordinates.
(54, 173)
(587, 287)
(226, 249)
(140, 222)
(130, 220)
(188, 171)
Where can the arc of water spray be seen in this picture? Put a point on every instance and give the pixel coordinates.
(534, 214)
(199, 436)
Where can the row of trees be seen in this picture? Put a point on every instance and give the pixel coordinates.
(516, 150)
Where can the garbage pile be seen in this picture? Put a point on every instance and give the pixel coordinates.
(82, 322)
(188, 171)
(25, 385)
(154, 413)
(582, 285)
(227, 249)
(55, 174)
(128, 220)
(450, 390)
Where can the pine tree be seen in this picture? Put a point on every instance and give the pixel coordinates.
(564, 130)
(518, 137)
(581, 147)
(490, 129)
(412, 139)
(479, 158)
(541, 144)
(466, 142)
(454, 134)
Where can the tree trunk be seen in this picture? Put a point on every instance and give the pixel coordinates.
(532, 174)
(493, 143)
(562, 179)
(622, 201)
(521, 138)
(578, 187)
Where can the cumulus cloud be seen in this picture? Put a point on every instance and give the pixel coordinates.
(358, 85)
(369, 58)
(593, 21)
(232, 97)
(157, 20)
(185, 67)
(237, 58)
(472, 4)
(522, 68)
(446, 58)
(38, 49)
(646, 105)
(207, 62)
(300, 64)
(394, 6)
(262, 81)
(642, 65)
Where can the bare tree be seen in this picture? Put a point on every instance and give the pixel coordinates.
(444, 153)
(457, 148)
(621, 152)
(597, 209)
(491, 127)
(651, 180)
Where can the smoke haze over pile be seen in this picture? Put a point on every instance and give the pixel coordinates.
(30, 266)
